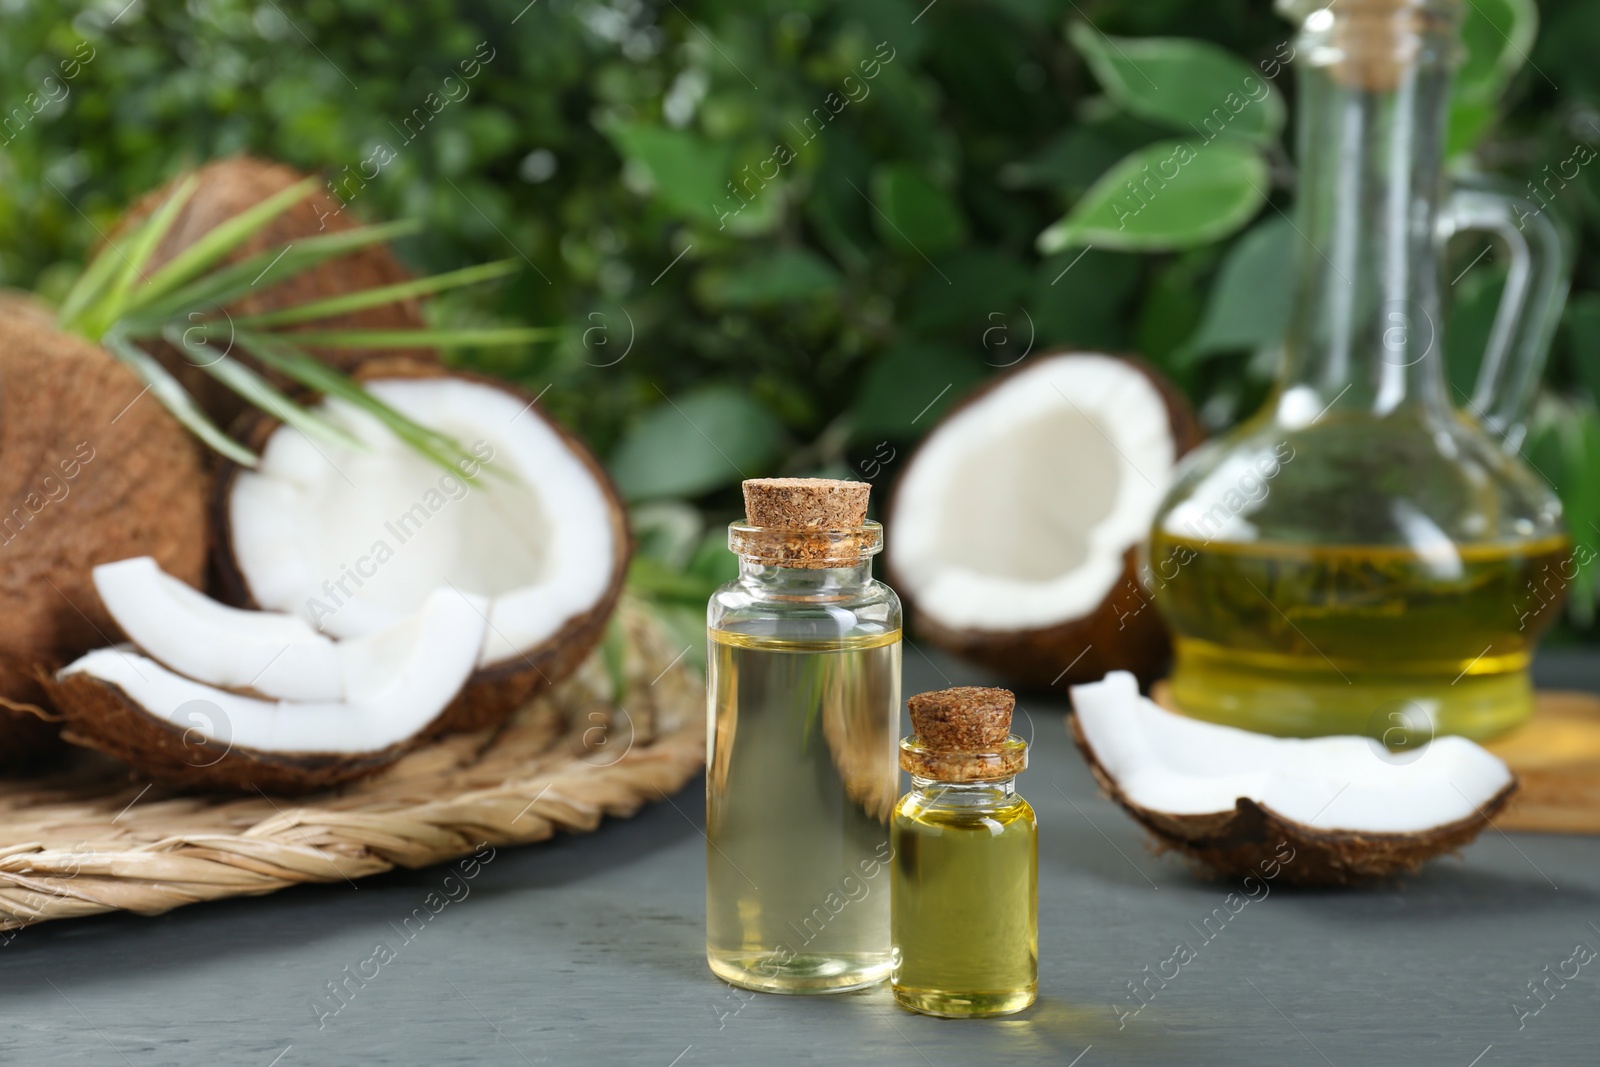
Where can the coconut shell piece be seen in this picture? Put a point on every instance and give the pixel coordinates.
(100, 716)
(494, 691)
(1253, 840)
(226, 188)
(92, 470)
(1122, 632)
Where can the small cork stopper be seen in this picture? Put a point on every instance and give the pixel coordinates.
(805, 503)
(963, 734)
(968, 718)
(1377, 41)
(806, 523)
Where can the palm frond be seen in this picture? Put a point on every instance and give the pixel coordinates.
(386, 294)
(260, 393)
(176, 399)
(301, 366)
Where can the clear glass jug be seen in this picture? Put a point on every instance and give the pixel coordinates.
(1357, 557)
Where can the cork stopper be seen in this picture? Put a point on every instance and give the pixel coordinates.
(805, 522)
(805, 503)
(1371, 44)
(963, 735)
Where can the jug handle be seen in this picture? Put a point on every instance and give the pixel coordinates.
(1530, 307)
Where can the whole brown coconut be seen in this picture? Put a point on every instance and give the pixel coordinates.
(226, 188)
(495, 689)
(1010, 474)
(92, 470)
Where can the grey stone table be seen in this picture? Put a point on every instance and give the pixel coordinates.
(589, 950)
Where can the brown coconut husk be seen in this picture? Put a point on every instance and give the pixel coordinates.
(229, 186)
(495, 691)
(1254, 840)
(92, 470)
(1123, 632)
(101, 716)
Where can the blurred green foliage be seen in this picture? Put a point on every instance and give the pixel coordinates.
(783, 237)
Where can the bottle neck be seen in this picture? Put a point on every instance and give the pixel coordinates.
(935, 793)
(1364, 335)
(772, 582)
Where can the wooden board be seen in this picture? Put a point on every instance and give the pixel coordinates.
(1555, 755)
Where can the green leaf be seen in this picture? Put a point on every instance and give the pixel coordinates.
(1582, 330)
(1564, 445)
(1249, 302)
(1189, 85)
(1166, 196)
(377, 297)
(978, 288)
(650, 577)
(909, 387)
(1473, 304)
(1073, 160)
(789, 274)
(690, 173)
(1497, 35)
(172, 396)
(914, 214)
(1173, 305)
(714, 562)
(690, 444)
(1082, 298)
(667, 531)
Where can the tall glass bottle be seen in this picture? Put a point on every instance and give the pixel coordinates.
(1361, 555)
(803, 709)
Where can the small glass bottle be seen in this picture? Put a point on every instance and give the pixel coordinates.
(964, 892)
(803, 706)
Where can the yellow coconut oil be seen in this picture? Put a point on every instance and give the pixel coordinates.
(798, 792)
(803, 706)
(964, 898)
(966, 918)
(1396, 643)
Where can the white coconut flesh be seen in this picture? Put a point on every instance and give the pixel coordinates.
(353, 540)
(273, 654)
(1019, 508)
(1165, 762)
(397, 686)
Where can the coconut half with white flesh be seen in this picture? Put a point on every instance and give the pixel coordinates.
(1316, 811)
(351, 540)
(265, 653)
(393, 687)
(1015, 527)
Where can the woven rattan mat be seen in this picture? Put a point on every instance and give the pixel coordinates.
(627, 729)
